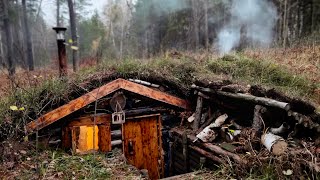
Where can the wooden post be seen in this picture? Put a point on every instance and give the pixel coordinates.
(197, 119)
(63, 70)
(185, 151)
(170, 158)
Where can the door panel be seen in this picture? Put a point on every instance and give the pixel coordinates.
(141, 144)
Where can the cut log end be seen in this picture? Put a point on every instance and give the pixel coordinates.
(279, 148)
(275, 144)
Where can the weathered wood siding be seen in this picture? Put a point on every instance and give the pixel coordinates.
(142, 144)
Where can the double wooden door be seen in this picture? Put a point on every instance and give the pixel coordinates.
(141, 137)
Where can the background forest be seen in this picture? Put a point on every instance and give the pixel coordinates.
(147, 28)
(266, 48)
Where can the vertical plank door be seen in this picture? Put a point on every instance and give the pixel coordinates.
(142, 144)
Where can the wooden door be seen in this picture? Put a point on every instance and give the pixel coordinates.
(142, 144)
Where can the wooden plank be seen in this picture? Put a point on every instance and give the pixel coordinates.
(66, 138)
(144, 133)
(154, 94)
(198, 113)
(74, 105)
(116, 142)
(105, 138)
(75, 136)
(100, 92)
(116, 134)
(85, 139)
(142, 117)
(132, 134)
(92, 138)
(160, 149)
(151, 151)
(185, 151)
(89, 121)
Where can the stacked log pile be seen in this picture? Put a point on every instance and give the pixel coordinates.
(231, 122)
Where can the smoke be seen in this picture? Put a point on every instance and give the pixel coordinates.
(252, 21)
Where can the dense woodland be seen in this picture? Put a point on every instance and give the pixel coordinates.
(147, 28)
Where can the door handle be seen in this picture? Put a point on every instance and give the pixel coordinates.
(130, 147)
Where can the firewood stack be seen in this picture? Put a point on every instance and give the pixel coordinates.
(232, 120)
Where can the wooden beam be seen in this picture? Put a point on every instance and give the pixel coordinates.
(89, 120)
(73, 106)
(100, 92)
(198, 113)
(154, 94)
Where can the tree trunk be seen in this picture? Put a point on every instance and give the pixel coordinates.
(121, 41)
(206, 30)
(27, 36)
(1, 52)
(285, 24)
(8, 34)
(75, 52)
(113, 40)
(145, 45)
(58, 13)
(195, 24)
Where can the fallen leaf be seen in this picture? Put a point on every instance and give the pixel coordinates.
(288, 172)
(14, 108)
(75, 48)
(23, 152)
(26, 139)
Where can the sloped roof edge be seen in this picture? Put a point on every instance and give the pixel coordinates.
(100, 92)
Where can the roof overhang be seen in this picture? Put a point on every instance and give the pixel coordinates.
(119, 84)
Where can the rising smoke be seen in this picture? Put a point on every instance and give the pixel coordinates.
(253, 20)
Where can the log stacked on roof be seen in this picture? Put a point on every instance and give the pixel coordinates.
(256, 118)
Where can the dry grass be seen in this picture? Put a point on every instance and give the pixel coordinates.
(22, 161)
(301, 61)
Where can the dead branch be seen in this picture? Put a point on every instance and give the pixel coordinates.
(305, 121)
(258, 122)
(214, 148)
(247, 97)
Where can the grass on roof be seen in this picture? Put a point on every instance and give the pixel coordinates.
(183, 71)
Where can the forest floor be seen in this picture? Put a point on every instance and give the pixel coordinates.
(24, 161)
(295, 72)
